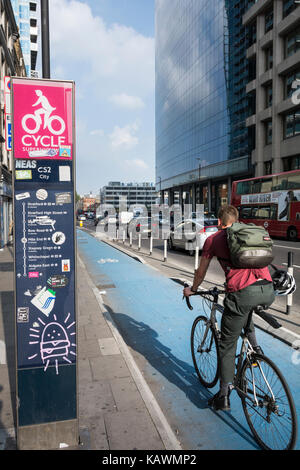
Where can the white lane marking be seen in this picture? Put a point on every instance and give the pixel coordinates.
(294, 265)
(287, 247)
(2, 352)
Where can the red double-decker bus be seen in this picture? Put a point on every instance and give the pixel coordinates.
(272, 201)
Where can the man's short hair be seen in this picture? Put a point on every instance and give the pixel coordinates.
(228, 214)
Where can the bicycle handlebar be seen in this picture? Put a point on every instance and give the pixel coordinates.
(214, 292)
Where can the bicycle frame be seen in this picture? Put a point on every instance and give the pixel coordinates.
(245, 353)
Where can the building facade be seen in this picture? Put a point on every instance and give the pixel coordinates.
(275, 54)
(202, 142)
(12, 63)
(26, 14)
(135, 193)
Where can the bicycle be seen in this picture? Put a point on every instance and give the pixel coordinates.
(267, 402)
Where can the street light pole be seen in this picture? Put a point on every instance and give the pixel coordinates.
(45, 38)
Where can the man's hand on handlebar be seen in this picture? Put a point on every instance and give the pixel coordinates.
(187, 292)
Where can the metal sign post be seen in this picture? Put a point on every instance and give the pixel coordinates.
(43, 148)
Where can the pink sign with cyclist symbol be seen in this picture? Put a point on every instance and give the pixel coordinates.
(42, 119)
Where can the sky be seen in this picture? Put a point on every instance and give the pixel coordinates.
(107, 48)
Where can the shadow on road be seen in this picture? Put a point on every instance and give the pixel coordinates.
(143, 339)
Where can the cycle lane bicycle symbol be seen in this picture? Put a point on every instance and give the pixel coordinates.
(46, 109)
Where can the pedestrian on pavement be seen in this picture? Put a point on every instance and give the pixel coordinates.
(245, 289)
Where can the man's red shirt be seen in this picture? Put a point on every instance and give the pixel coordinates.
(236, 278)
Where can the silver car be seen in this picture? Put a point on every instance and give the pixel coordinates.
(191, 233)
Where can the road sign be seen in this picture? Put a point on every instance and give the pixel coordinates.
(43, 120)
(8, 131)
(45, 267)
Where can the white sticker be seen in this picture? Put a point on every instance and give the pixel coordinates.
(58, 238)
(41, 194)
(22, 196)
(64, 173)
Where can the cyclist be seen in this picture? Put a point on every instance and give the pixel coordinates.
(245, 290)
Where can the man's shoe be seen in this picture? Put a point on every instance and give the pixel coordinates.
(218, 402)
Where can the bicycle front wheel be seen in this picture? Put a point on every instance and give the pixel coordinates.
(205, 351)
(272, 417)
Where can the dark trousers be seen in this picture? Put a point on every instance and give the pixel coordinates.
(237, 306)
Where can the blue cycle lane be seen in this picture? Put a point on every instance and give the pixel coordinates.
(154, 321)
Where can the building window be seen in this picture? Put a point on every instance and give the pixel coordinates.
(292, 124)
(288, 6)
(292, 42)
(251, 104)
(252, 69)
(268, 132)
(268, 168)
(291, 163)
(288, 82)
(269, 58)
(269, 95)
(251, 34)
(269, 20)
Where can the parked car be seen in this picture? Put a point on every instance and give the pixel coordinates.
(192, 232)
(97, 219)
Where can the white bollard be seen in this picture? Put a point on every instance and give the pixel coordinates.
(165, 249)
(130, 239)
(151, 245)
(139, 244)
(117, 234)
(196, 258)
(289, 298)
(124, 237)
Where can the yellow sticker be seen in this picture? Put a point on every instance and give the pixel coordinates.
(23, 174)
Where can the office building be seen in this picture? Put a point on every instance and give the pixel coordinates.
(275, 54)
(26, 14)
(135, 193)
(202, 142)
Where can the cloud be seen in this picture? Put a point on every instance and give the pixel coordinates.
(127, 101)
(117, 52)
(138, 163)
(124, 136)
(97, 132)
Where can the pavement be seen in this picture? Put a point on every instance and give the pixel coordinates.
(117, 410)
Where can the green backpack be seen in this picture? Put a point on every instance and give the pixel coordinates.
(250, 246)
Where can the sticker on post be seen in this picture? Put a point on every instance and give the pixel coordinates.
(41, 194)
(64, 173)
(44, 301)
(21, 196)
(58, 238)
(63, 198)
(65, 151)
(65, 265)
(23, 315)
(23, 174)
(58, 280)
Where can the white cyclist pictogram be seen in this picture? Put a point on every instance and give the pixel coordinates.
(46, 109)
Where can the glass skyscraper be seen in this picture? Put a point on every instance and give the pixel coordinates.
(202, 142)
(26, 17)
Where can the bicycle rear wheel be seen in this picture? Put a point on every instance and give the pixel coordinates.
(205, 351)
(273, 422)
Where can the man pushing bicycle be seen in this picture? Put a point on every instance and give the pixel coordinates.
(246, 288)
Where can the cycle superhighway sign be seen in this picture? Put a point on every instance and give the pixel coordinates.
(45, 262)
